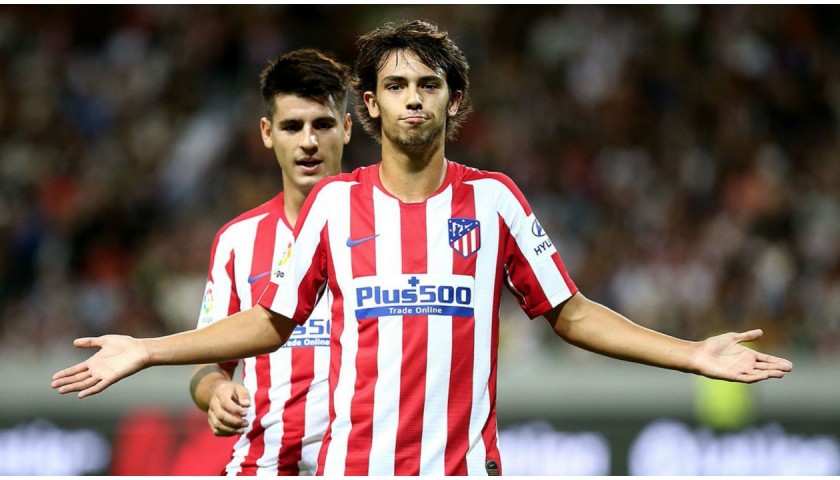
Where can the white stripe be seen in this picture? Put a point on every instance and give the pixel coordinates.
(486, 265)
(281, 389)
(387, 391)
(317, 402)
(244, 259)
(339, 228)
(439, 354)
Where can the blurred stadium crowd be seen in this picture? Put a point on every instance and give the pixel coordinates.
(684, 159)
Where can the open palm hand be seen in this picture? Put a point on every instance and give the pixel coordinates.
(723, 357)
(118, 357)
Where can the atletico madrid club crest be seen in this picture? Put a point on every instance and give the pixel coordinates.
(464, 235)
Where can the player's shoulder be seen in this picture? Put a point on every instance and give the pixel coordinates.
(497, 186)
(341, 180)
(464, 173)
(272, 207)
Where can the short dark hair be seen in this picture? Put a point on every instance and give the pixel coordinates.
(307, 73)
(431, 46)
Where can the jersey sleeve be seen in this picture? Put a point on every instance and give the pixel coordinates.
(534, 270)
(296, 287)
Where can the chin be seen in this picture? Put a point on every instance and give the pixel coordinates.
(311, 180)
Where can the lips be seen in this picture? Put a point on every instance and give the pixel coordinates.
(309, 163)
(415, 118)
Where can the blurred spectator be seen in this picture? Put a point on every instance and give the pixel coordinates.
(684, 158)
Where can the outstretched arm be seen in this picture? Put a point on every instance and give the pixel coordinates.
(594, 327)
(245, 334)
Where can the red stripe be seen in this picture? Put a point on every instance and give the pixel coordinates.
(267, 298)
(262, 403)
(415, 339)
(233, 301)
(523, 277)
(294, 412)
(361, 409)
(263, 256)
(490, 431)
(311, 282)
(463, 348)
(335, 353)
(363, 255)
(363, 261)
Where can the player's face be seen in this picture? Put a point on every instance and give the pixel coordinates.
(308, 139)
(413, 102)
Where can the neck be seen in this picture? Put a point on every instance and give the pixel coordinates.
(411, 176)
(292, 203)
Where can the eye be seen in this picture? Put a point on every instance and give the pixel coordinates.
(291, 127)
(324, 125)
(393, 87)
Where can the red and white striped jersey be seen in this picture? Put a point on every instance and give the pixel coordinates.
(289, 389)
(416, 291)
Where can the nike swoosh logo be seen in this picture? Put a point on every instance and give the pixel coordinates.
(254, 278)
(353, 243)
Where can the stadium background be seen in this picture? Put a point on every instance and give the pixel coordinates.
(684, 159)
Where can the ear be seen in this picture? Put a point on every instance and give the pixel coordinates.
(370, 103)
(265, 131)
(348, 127)
(454, 103)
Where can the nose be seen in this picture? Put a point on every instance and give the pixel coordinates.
(415, 99)
(310, 140)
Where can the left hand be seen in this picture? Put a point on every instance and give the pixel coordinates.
(723, 357)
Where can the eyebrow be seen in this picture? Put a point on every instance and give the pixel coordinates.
(424, 78)
(293, 121)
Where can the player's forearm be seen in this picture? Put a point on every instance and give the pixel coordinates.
(594, 327)
(245, 334)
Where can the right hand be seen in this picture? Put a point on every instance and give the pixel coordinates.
(119, 356)
(228, 408)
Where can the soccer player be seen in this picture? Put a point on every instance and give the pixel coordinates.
(415, 251)
(282, 425)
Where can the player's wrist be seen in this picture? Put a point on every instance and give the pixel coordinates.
(218, 383)
(211, 388)
(202, 386)
(145, 353)
(694, 363)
